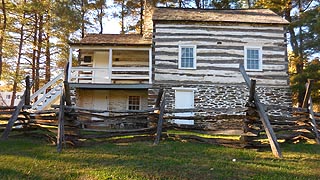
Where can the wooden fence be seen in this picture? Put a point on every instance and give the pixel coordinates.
(66, 124)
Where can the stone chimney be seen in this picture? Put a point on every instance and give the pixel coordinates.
(147, 19)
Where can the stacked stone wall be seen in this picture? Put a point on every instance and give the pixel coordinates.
(227, 99)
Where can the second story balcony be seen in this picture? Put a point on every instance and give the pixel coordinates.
(105, 65)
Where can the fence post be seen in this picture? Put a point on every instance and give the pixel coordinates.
(252, 90)
(28, 87)
(264, 118)
(60, 136)
(66, 86)
(157, 105)
(25, 100)
(308, 93)
(160, 121)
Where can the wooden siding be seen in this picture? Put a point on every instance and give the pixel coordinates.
(130, 58)
(220, 50)
(113, 100)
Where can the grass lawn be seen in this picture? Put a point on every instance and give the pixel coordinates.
(26, 158)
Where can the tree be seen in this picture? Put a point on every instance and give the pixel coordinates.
(298, 29)
(310, 20)
(98, 7)
(31, 30)
(310, 71)
(21, 42)
(3, 22)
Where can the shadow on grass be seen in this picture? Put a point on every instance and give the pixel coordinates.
(14, 174)
(168, 160)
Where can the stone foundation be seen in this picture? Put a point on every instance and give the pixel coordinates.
(227, 99)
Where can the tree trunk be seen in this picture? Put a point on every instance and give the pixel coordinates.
(297, 52)
(47, 53)
(141, 17)
(34, 52)
(17, 72)
(198, 4)
(82, 18)
(100, 19)
(37, 80)
(2, 33)
(48, 59)
(122, 17)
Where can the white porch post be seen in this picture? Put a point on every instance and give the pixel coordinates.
(150, 65)
(70, 64)
(110, 64)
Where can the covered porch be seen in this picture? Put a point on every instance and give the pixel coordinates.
(110, 60)
(112, 66)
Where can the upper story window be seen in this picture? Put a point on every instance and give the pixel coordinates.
(187, 57)
(134, 103)
(253, 58)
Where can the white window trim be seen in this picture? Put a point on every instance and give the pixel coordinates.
(259, 48)
(194, 56)
(184, 88)
(139, 103)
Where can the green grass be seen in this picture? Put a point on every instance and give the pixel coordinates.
(26, 158)
(177, 132)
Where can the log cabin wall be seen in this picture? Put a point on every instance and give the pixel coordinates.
(220, 48)
(113, 100)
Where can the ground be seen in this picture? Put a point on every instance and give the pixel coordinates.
(27, 158)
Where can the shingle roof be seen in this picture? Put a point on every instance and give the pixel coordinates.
(113, 39)
(263, 16)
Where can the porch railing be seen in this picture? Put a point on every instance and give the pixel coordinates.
(89, 75)
(130, 73)
(104, 76)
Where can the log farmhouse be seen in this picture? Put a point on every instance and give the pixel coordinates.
(193, 54)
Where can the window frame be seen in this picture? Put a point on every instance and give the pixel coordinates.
(194, 47)
(128, 104)
(259, 48)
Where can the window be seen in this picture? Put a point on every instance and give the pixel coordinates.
(253, 58)
(8, 97)
(187, 57)
(87, 59)
(134, 103)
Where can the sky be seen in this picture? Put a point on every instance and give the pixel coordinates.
(111, 25)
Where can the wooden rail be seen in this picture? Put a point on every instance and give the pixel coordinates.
(17, 110)
(160, 121)
(264, 118)
(13, 118)
(307, 103)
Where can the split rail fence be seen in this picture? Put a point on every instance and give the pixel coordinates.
(66, 124)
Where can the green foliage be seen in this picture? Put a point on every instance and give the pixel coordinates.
(34, 159)
(311, 71)
(311, 33)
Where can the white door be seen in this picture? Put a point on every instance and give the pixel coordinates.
(100, 102)
(184, 99)
(100, 65)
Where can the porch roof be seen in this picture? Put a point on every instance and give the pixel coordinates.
(252, 16)
(113, 40)
(109, 86)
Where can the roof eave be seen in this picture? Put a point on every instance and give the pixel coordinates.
(108, 44)
(175, 20)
